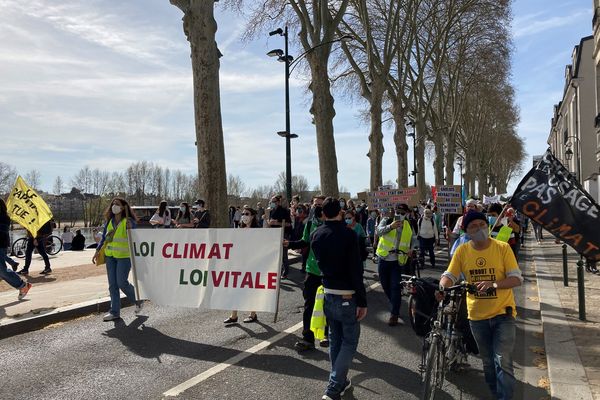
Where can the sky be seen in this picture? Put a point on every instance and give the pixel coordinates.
(105, 83)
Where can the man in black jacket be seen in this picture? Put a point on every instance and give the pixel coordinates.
(336, 250)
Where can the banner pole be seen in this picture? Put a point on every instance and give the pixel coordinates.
(131, 256)
(581, 288)
(498, 219)
(282, 249)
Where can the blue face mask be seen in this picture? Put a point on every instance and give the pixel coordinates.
(349, 221)
(272, 205)
(492, 220)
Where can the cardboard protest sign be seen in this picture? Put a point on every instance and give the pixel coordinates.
(449, 200)
(551, 197)
(225, 269)
(27, 208)
(389, 198)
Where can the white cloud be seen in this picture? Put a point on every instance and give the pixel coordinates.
(532, 24)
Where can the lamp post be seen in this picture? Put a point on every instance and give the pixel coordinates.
(569, 155)
(414, 137)
(284, 57)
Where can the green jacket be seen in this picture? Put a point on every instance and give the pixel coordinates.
(311, 262)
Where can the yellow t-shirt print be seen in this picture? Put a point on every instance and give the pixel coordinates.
(492, 264)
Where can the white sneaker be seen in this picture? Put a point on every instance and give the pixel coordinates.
(109, 317)
(139, 305)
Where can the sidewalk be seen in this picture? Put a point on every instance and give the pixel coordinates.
(572, 346)
(76, 287)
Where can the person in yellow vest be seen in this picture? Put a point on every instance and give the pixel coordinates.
(119, 217)
(396, 245)
(507, 229)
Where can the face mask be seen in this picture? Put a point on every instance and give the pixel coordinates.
(116, 209)
(373, 215)
(318, 212)
(349, 221)
(342, 204)
(182, 209)
(481, 235)
(504, 221)
(272, 205)
(492, 220)
(399, 217)
(359, 208)
(246, 219)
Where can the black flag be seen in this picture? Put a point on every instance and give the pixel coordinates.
(551, 197)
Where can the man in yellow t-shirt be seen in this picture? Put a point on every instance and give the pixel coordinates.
(492, 267)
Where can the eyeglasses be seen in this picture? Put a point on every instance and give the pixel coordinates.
(246, 214)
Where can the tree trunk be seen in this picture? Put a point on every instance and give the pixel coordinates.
(450, 154)
(200, 28)
(400, 142)
(420, 133)
(438, 163)
(323, 111)
(376, 138)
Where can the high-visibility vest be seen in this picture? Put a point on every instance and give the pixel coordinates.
(118, 247)
(503, 235)
(388, 241)
(317, 321)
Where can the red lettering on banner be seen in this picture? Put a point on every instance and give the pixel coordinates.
(175, 251)
(590, 247)
(164, 250)
(197, 250)
(235, 275)
(247, 281)
(272, 280)
(226, 279)
(257, 284)
(216, 281)
(214, 251)
(227, 247)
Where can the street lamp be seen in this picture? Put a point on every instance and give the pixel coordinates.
(569, 155)
(290, 64)
(414, 172)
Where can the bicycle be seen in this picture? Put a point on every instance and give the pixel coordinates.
(444, 348)
(53, 246)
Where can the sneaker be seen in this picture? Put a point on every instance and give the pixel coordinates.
(331, 397)
(324, 343)
(23, 291)
(139, 305)
(250, 318)
(110, 317)
(303, 345)
(230, 320)
(23, 272)
(347, 387)
(15, 266)
(46, 271)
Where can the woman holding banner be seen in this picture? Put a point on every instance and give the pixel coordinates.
(114, 243)
(8, 275)
(248, 220)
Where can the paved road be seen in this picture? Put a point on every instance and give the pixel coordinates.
(146, 357)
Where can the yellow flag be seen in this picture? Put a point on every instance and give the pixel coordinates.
(27, 208)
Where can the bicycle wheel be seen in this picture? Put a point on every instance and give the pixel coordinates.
(19, 246)
(434, 369)
(53, 245)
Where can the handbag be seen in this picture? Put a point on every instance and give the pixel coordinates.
(101, 257)
(157, 220)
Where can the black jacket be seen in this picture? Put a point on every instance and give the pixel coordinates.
(336, 250)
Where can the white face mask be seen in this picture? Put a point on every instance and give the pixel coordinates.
(504, 221)
(246, 219)
(182, 209)
(116, 209)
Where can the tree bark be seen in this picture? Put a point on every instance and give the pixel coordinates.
(376, 138)
(200, 28)
(438, 163)
(421, 135)
(323, 111)
(400, 142)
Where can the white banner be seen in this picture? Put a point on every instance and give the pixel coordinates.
(491, 199)
(224, 269)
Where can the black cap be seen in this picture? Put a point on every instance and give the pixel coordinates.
(402, 206)
(472, 216)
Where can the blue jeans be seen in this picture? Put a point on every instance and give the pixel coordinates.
(496, 340)
(344, 332)
(117, 270)
(389, 276)
(9, 275)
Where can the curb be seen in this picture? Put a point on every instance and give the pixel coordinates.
(568, 380)
(61, 314)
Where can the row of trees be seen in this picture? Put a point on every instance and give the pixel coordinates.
(443, 65)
